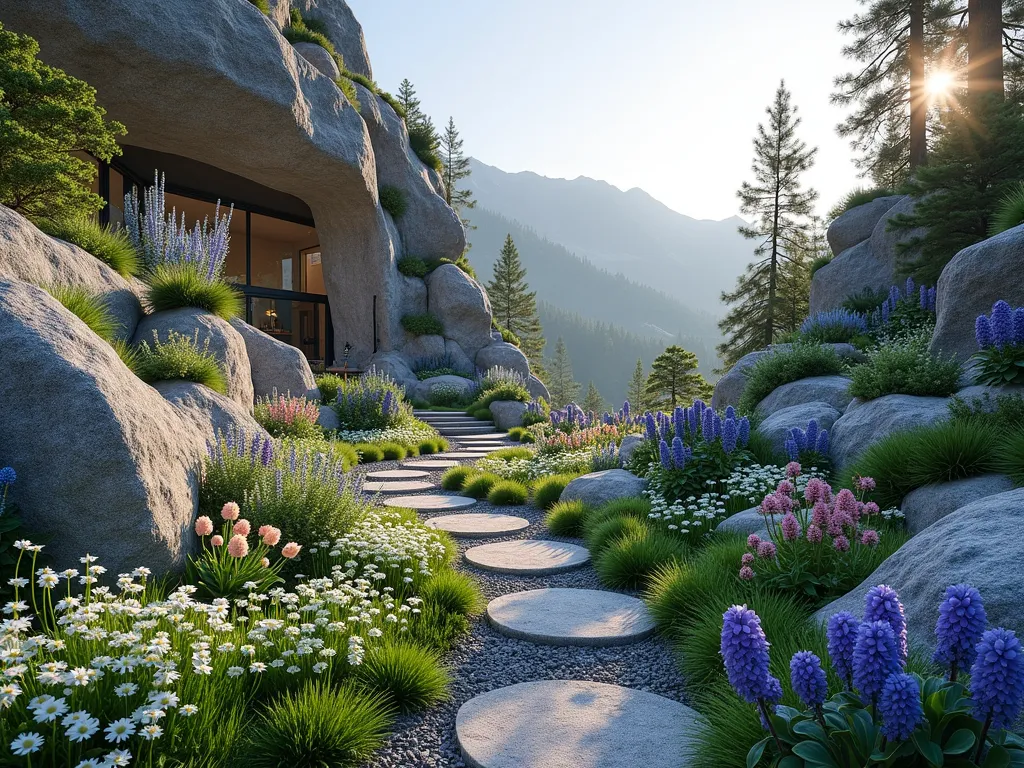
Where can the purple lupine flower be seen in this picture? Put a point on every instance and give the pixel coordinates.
(650, 428)
(997, 678)
(744, 650)
(387, 403)
(792, 451)
(730, 435)
(808, 678)
(875, 657)
(678, 453)
(700, 406)
(707, 427)
(8, 476)
(666, 456)
(885, 313)
(911, 288)
(743, 430)
(961, 623)
(821, 447)
(842, 639)
(730, 412)
(279, 482)
(900, 706)
(799, 437)
(883, 604)
(923, 301)
(1002, 324)
(1018, 327)
(267, 453)
(932, 293)
(691, 417)
(625, 410)
(716, 420)
(678, 421)
(894, 297)
(811, 434)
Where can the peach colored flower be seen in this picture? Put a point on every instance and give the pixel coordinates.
(238, 546)
(217, 540)
(204, 526)
(266, 562)
(242, 528)
(263, 529)
(230, 511)
(271, 536)
(290, 550)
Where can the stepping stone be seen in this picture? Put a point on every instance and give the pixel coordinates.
(478, 525)
(398, 486)
(489, 437)
(589, 617)
(431, 464)
(467, 431)
(528, 557)
(397, 474)
(464, 455)
(559, 723)
(428, 502)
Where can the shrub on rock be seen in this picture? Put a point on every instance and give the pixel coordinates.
(392, 200)
(423, 325)
(782, 366)
(110, 246)
(179, 358)
(905, 370)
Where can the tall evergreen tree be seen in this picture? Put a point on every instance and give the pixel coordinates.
(410, 103)
(674, 379)
(423, 136)
(636, 392)
(513, 304)
(455, 168)
(561, 385)
(592, 401)
(780, 208)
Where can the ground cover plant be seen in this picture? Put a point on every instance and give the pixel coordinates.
(111, 246)
(906, 368)
(392, 200)
(565, 518)
(906, 312)
(422, 325)
(782, 366)
(179, 357)
(90, 309)
(329, 384)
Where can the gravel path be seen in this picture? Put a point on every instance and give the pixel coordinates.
(485, 660)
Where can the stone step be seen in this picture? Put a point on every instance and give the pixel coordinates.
(418, 412)
(397, 474)
(528, 557)
(466, 431)
(560, 723)
(398, 486)
(578, 617)
(430, 464)
(430, 502)
(472, 525)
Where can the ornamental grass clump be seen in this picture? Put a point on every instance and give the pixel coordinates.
(372, 401)
(287, 416)
(179, 358)
(1000, 336)
(834, 327)
(90, 309)
(408, 676)
(329, 384)
(111, 246)
(565, 518)
(453, 479)
(548, 490)
(883, 715)
(507, 493)
(782, 366)
(631, 559)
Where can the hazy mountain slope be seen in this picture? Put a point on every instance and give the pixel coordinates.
(691, 260)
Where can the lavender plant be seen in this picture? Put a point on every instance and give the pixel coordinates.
(1000, 336)
(372, 401)
(908, 311)
(833, 327)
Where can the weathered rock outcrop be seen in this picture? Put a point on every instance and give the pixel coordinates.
(971, 283)
(979, 544)
(423, 348)
(107, 464)
(857, 224)
(505, 355)
(924, 506)
(462, 306)
(507, 414)
(275, 365)
(32, 256)
(777, 426)
(423, 390)
(225, 343)
(394, 365)
(849, 273)
(628, 447)
(833, 390)
(206, 411)
(599, 488)
(320, 58)
(537, 389)
(343, 30)
(885, 240)
(867, 421)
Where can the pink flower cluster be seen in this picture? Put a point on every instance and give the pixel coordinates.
(288, 410)
(584, 438)
(237, 531)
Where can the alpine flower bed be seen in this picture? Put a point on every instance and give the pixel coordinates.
(287, 416)
(523, 470)
(1000, 357)
(408, 433)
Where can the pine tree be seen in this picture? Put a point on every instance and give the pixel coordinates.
(410, 103)
(781, 210)
(561, 385)
(636, 392)
(674, 379)
(592, 401)
(513, 304)
(423, 136)
(455, 169)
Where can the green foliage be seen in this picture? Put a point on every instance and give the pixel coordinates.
(462, 263)
(508, 493)
(91, 310)
(394, 103)
(818, 263)
(565, 518)
(600, 533)
(906, 369)
(408, 676)
(179, 357)
(45, 115)
(479, 485)
(708, 465)
(173, 286)
(216, 574)
(548, 490)
(1010, 458)
(111, 246)
(511, 453)
(422, 325)
(857, 198)
(413, 266)
(262, 5)
(480, 408)
(999, 365)
(513, 303)
(1010, 211)
(782, 366)
(633, 558)
(348, 88)
(392, 200)
(563, 388)
(636, 507)
(453, 592)
(302, 30)
(369, 453)
(329, 384)
(318, 726)
(361, 401)
(426, 448)
(674, 380)
(867, 300)
(393, 451)
(516, 434)
(424, 143)
(511, 338)
(1005, 411)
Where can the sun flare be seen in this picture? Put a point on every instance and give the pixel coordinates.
(939, 83)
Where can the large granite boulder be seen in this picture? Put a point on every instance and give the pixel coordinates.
(507, 414)
(207, 411)
(462, 306)
(833, 390)
(979, 544)
(777, 426)
(395, 367)
(328, 418)
(749, 521)
(225, 343)
(422, 348)
(320, 58)
(867, 421)
(729, 388)
(275, 365)
(460, 361)
(413, 295)
(538, 389)
(505, 355)
(855, 269)
(599, 488)
(106, 465)
(857, 224)
(628, 447)
(343, 30)
(986, 395)
(924, 506)
(976, 278)
(424, 390)
(885, 240)
(29, 255)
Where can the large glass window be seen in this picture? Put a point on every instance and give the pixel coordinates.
(299, 323)
(278, 253)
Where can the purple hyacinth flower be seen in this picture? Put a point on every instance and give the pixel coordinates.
(744, 650)
(678, 453)
(625, 410)
(821, 446)
(1018, 327)
(960, 626)
(808, 678)
(885, 312)
(744, 431)
(1002, 324)
(716, 420)
(267, 453)
(997, 678)
(666, 456)
(791, 449)
(730, 412)
(842, 638)
(707, 427)
(894, 297)
(882, 603)
(730, 435)
(875, 657)
(772, 696)
(911, 288)
(650, 427)
(932, 293)
(811, 434)
(923, 301)
(799, 437)
(900, 706)
(691, 416)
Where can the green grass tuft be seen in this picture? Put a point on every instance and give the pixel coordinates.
(407, 675)
(508, 493)
(369, 453)
(412, 266)
(601, 535)
(818, 263)
(110, 246)
(565, 518)
(1010, 457)
(477, 486)
(392, 200)
(328, 384)
(393, 451)
(263, 5)
(516, 434)
(173, 286)
(783, 366)
(1009, 212)
(548, 490)
(632, 559)
(91, 310)
(179, 358)
(454, 478)
(453, 592)
(859, 197)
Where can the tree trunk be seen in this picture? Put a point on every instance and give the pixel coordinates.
(918, 98)
(985, 47)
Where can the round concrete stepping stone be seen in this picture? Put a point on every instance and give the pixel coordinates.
(485, 438)
(527, 557)
(398, 486)
(571, 617)
(472, 525)
(465, 455)
(559, 723)
(397, 474)
(428, 502)
(431, 464)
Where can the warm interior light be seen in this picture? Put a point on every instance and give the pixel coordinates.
(939, 83)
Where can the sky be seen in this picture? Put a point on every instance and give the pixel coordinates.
(664, 95)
